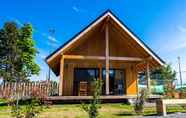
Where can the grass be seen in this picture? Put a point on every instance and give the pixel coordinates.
(3, 101)
(107, 111)
(5, 112)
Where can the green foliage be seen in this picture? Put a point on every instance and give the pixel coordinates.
(92, 108)
(153, 83)
(17, 52)
(139, 104)
(169, 76)
(31, 109)
(32, 106)
(2, 100)
(16, 111)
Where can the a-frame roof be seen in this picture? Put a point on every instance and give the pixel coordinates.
(102, 17)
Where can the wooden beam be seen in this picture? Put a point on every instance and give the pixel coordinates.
(61, 76)
(107, 58)
(126, 58)
(102, 58)
(105, 23)
(148, 77)
(140, 68)
(100, 71)
(84, 57)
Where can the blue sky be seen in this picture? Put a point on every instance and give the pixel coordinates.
(161, 24)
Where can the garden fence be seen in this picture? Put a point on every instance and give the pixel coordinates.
(27, 89)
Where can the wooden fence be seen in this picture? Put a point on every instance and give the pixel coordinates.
(28, 89)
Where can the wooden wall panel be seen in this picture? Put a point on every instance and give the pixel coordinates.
(94, 46)
(68, 80)
(120, 45)
(131, 80)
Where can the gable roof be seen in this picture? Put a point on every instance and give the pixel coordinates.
(94, 23)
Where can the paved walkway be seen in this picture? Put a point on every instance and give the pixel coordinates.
(174, 115)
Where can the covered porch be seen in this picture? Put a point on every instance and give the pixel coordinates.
(80, 71)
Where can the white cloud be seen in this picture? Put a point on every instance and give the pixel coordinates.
(52, 39)
(75, 9)
(177, 46)
(54, 45)
(181, 28)
(78, 9)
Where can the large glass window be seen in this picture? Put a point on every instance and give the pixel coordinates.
(87, 76)
(116, 82)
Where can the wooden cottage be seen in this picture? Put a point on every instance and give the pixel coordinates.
(107, 50)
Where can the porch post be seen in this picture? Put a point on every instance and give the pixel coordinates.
(61, 76)
(100, 72)
(107, 58)
(148, 77)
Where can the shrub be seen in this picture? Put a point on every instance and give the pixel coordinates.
(139, 104)
(33, 106)
(92, 108)
(16, 111)
(31, 109)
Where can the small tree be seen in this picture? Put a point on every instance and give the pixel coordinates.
(169, 76)
(92, 108)
(140, 101)
(17, 52)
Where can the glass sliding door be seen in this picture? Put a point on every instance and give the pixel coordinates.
(116, 82)
(84, 80)
(119, 82)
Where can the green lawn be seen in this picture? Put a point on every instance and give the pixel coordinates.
(107, 111)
